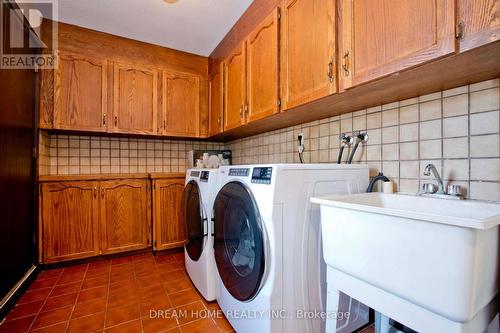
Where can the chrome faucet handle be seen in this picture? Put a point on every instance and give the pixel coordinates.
(454, 190)
(429, 188)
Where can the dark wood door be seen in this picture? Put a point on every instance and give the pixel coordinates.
(17, 132)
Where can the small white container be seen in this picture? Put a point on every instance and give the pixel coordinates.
(388, 187)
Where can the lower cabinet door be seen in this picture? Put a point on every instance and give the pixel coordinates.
(124, 215)
(69, 221)
(168, 221)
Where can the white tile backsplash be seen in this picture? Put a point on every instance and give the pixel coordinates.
(484, 100)
(484, 123)
(466, 118)
(430, 110)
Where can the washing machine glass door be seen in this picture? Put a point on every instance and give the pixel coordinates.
(196, 221)
(239, 241)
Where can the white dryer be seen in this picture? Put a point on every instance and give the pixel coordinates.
(271, 275)
(199, 194)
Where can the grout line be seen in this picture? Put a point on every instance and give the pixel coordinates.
(78, 295)
(107, 297)
(45, 301)
(469, 148)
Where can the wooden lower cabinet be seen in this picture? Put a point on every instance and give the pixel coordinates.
(124, 214)
(80, 219)
(69, 227)
(168, 221)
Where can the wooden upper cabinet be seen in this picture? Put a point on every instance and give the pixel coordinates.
(308, 51)
(135, 99)
(386, 36)
(168, 222)
(234, 88)
(263, 68)
(124, 215)
(216, 102)
(80, 94)
(479, 21)
(69, 226)
(181, 104)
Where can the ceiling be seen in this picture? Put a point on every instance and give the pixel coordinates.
(195, 26)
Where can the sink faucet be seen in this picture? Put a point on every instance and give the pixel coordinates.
(429, 189)
(427, 172)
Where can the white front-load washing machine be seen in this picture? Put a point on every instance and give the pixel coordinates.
(199, 194)
(271, 274)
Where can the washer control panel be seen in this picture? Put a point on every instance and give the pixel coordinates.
(195, 174)
(204, 176)
(240, 172)
(262, 175)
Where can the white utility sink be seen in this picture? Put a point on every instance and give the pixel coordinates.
(431, 264)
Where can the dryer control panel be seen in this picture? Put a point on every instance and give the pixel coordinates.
(240, 172)
(262, 175)
(204, 176)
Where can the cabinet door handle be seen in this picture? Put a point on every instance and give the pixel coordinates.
(218, 121)
(164, 125)
(102, 193)
(459, 34)
(330, 71)
(345, 64)
(116, 120)
(95, 192)
(241, 111)
(245, 108)
(104, 120)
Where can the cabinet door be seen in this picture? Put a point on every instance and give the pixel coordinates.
(80, 93)
(70, 221)
(46, 99)
(263, 68)
(168, 220)
(135, 99)
(386, 36)
(181, 96)
(234, 88)
(216, 102)
(308, 51)
(124, 215)
(479, 21)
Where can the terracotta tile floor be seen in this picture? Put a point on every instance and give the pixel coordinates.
(114, 295)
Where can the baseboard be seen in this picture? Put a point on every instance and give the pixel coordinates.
(13, 295)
